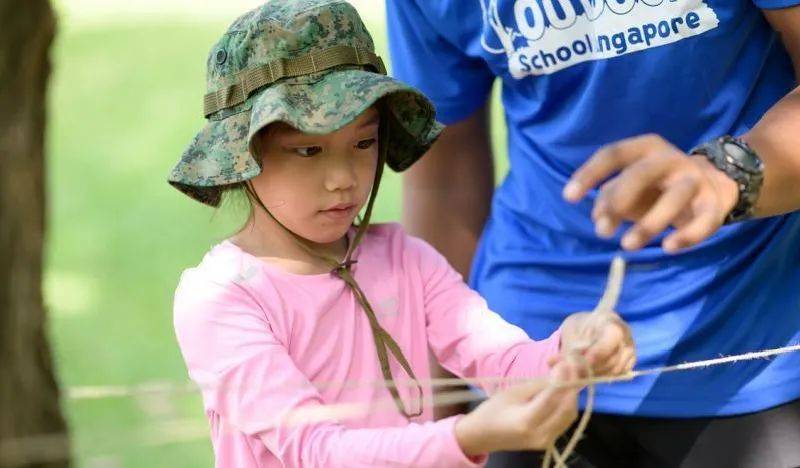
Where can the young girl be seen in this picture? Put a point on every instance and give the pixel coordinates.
(301, 314)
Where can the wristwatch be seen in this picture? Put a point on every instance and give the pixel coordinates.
(735, 158)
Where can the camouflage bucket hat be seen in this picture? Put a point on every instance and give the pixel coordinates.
(310, 64)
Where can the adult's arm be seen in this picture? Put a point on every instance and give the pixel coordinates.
(659, 186)
(447, 194)
(776, 137)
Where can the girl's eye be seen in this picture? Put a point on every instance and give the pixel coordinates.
(366, 144)
(308, 151)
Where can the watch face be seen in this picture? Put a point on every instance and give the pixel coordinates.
(742, 158)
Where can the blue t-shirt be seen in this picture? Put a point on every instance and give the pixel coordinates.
(578, 74)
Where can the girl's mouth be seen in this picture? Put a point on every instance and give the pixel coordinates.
(340, 211)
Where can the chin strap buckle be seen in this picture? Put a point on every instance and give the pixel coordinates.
(344, 266)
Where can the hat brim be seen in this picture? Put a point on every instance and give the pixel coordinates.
(217, 156)
(221, 153)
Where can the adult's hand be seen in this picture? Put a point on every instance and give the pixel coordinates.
(655, 186)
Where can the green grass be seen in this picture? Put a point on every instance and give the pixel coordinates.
(125, 100)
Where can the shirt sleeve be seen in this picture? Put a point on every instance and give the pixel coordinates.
(457, 83)
(248, 378)
(467, 337)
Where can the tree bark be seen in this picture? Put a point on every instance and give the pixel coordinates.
(32, 428)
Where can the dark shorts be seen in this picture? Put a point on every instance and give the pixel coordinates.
(768, 439)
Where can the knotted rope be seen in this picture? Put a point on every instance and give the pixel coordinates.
(607, 304)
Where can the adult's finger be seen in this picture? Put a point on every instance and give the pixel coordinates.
(676, 199)
(606, 222)
(637, 187)
(705, 223)
(606, 161)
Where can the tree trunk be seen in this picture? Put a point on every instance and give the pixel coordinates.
(32, 428)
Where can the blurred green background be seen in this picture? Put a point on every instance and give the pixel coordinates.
(125, 99)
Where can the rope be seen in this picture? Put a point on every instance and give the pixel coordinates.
(100, 392)
(338, 412)
(122, 391)
(552, 456)
(49, 447)
(607, 304)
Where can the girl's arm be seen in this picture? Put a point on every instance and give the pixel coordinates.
(248, 378)
(467, 338)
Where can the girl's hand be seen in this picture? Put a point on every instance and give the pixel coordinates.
(656, 186)
(528, 416)
(604, 340)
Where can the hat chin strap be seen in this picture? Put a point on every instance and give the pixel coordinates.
(384, 343)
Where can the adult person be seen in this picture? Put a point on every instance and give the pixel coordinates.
(606, 103)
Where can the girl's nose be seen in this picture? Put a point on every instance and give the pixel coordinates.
(340, 174)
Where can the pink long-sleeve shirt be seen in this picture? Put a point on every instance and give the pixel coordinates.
(261, 343)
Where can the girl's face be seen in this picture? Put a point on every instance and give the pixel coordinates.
(315, 185)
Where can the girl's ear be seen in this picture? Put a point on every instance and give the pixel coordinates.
(257, 147)
(260, 142)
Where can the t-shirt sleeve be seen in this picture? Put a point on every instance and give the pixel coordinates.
(467, 337)
(248, 378)
(457, 84)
